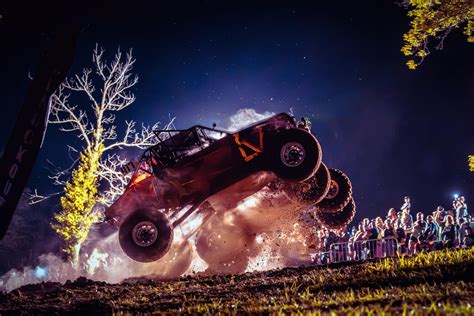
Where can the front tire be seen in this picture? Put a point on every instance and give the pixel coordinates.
(146, 235)
(294, 155)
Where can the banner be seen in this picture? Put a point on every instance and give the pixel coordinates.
(25, 141)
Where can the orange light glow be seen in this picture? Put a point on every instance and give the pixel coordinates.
(141, 177)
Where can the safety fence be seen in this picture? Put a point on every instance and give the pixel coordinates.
(358, 250)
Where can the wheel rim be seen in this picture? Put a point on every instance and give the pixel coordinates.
(144, 233)
(292, 154)
(333, 190)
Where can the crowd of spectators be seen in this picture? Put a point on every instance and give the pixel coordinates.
(399, 232)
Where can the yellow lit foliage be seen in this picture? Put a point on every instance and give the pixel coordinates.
(471, 163)
(434, 19)
(74, 221)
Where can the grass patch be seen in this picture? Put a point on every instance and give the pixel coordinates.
(438, 282)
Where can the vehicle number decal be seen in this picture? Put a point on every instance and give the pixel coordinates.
(256, 150)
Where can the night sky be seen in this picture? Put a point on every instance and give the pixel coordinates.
(395, 132)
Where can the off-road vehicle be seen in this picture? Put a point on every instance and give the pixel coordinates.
(181, 173)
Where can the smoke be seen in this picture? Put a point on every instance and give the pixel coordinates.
(245, 117)
(247, 232)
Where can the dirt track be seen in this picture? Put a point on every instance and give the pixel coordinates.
(339, 288)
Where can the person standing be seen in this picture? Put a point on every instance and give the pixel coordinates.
(406, 216)
(358, 239)
(439, 218)
(401, 237)
(418, 228)
(450, 232)
(392, 215)
(389, 236)
(460, 207)
(406, 204)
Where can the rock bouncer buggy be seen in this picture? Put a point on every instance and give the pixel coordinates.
(187, 168)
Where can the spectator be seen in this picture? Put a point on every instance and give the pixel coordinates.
(341, 252)
(430, 236)
(365, 223)
(343, 235)
(418, 228)
(353, 231)
(379, 237)
(439, 218)
(449, 233)
(463, 229)
(460, 208)
(359, 237)
(389, 235)
(392, 215)
(371, 236)
(320, 241)
(379, 226)
(406, 225)
(401, 237)
(406, 205)
(399, 217)
(468, 233)
(407, 219)
(331, 238)
(389, 230)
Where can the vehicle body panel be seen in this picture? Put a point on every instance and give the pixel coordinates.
(209, 169)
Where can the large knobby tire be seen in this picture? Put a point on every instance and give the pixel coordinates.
(294, 155)
(312, 190)
(339, 195)
(319, 186)
(340, 219)
(146, 235)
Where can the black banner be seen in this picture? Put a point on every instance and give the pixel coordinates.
(25, 141)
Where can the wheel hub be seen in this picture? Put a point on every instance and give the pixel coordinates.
(292, 154)
(145, 233)
(333, 190)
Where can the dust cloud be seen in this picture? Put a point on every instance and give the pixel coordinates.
(248, 231)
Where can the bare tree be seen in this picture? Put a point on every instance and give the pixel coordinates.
(112, 178)
(96, 164)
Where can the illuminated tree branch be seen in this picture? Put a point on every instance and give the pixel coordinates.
(143, 139)
(434, 19)
(92, 176)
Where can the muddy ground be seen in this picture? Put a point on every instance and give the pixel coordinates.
(435, 283)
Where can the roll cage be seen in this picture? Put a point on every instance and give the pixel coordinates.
(174, 145)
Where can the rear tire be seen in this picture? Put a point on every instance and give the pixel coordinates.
(311, 191)
(320, 183)
(294, 155)
(146, 235)
(340, 219)
(339, 195)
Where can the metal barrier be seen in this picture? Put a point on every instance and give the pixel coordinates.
(359, 250)
(321, 257)
(341, 251)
